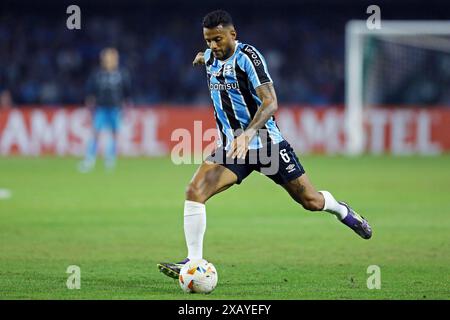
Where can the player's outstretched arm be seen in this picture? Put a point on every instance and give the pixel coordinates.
(199, 59)
(267, 95)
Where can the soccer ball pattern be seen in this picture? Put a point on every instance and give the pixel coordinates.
(198, 277)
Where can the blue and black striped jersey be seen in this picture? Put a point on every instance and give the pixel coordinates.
(232, 85)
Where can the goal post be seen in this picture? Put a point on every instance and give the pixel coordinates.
(408, 41)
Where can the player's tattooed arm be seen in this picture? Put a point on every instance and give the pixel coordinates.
(199, 59)
(266, 93)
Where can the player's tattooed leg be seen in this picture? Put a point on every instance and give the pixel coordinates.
(302, 191)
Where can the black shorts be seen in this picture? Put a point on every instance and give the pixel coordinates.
(277, 161)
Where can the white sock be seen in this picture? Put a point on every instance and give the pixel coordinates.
(332, 206)
(194, 228)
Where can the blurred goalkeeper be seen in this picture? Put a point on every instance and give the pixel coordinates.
(244, 102)
(108, 89)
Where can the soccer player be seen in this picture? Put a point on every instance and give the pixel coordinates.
(245, 101)
(107, 90)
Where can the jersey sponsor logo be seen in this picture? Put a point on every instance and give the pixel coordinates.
(223, 86)
(253, 55)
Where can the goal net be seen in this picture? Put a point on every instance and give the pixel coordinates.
(402, 64)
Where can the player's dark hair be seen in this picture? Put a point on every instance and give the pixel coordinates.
(216, 18)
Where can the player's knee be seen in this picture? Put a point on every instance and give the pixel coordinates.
(193, 193)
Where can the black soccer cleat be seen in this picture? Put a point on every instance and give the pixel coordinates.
(171, 270)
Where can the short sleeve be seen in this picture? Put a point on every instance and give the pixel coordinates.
(255, 66)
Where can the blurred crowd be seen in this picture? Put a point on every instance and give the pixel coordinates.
(42, 62)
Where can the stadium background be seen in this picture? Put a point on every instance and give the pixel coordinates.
(45, 64)
(53, 217)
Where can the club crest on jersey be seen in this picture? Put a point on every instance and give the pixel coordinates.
(228, 70)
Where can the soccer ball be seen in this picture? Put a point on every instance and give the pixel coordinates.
(199, 276)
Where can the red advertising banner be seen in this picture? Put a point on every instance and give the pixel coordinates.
(154, 131)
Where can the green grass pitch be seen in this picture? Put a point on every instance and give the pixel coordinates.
(117, 226)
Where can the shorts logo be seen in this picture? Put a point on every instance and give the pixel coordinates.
(290, 168)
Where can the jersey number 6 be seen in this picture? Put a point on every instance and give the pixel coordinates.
(284, 156)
